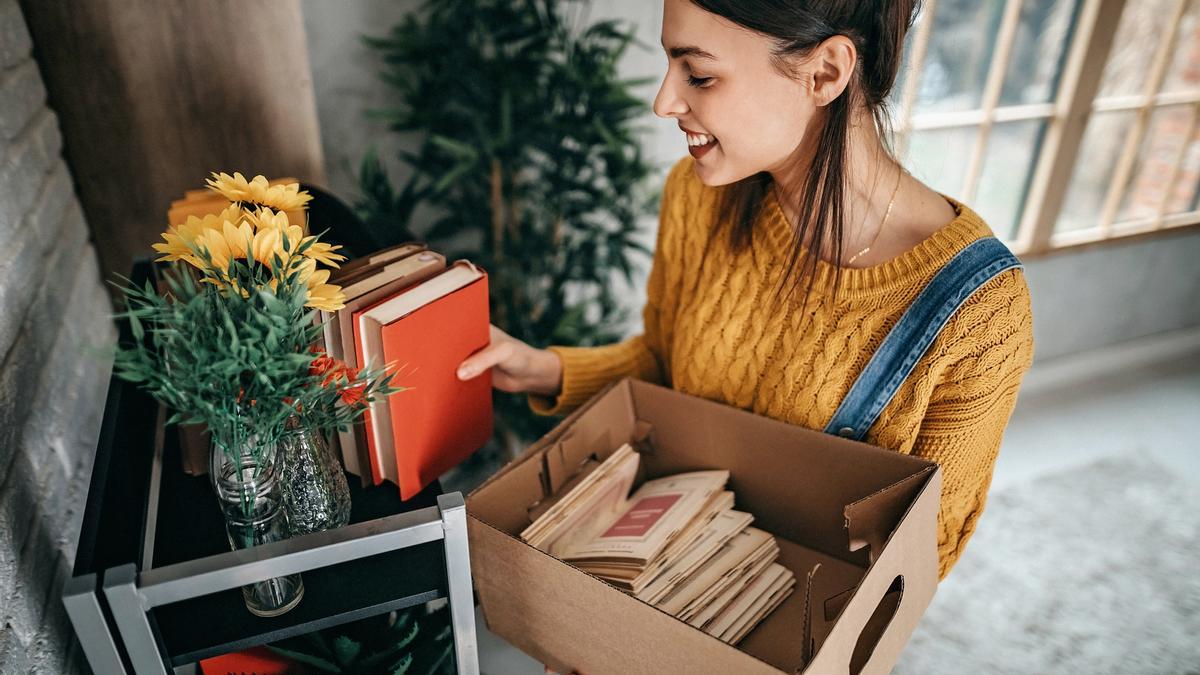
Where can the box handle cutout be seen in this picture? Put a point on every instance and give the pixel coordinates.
(877, 625)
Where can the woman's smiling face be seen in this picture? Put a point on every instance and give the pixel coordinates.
(722, 83)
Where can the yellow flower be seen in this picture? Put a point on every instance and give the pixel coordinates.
(179, 240)
(266, 245)
(258, 191)
(324, 253)
(322, 295)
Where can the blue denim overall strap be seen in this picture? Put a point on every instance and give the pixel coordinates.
(910, 338)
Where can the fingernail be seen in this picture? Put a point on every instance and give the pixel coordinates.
(464, 373)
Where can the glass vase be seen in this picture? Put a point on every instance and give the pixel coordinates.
(315, 492)
(248, 491)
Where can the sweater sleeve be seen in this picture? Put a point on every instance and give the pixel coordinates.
(972, 404)
(586, 370)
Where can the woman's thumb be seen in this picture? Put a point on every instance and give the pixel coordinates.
(480, 361)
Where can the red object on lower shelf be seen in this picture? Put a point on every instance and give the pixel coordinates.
(253, 661)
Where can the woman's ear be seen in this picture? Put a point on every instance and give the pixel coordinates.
(831, 64)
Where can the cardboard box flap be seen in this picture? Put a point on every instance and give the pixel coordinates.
(762, 455)
(871, 520)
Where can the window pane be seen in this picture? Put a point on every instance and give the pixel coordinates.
(1007, 168)
(1166, 133)
(1184, 72)
(939, 157)
(1039, 51)
(960, 51)
(1185, 196)
(1143, 26)
(1098, 152)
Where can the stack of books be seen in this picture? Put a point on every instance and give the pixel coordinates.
(407, 309)
(676, 543)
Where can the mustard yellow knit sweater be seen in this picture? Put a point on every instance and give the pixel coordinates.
(711, 332)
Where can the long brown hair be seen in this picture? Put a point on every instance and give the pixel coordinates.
(877, 29)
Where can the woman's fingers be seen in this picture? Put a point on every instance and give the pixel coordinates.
(494, 354)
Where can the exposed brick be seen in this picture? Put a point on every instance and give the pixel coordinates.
(15, 43)
(21, 97)
(30, 351)
(23, 164)
(65, 423)
(21, 271)
(47, 138)
(55, 197)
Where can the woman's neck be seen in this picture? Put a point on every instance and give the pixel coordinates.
(871, 181)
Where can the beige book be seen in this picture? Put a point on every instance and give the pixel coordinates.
(709, 604)
(370, 331)
(739, 551)
(736, 634)
(339, 332)
(657, 512)
(716, 535)
(753, 597)
(635, 578)
(353, 270)
(596, 499)
(566, 505)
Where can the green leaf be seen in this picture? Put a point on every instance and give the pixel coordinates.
(346, 650)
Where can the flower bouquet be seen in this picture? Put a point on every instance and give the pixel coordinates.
(232, 343)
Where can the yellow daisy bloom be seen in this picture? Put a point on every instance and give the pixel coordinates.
(324, 253)
(178, 238)
(324, 296)
(258, 191)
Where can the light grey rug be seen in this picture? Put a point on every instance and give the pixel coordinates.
(1096, 570)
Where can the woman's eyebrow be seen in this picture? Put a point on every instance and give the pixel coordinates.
(689, 50)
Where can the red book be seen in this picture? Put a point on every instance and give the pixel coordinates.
(256, 661)
(424, 334)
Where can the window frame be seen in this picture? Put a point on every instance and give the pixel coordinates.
(1066, 119)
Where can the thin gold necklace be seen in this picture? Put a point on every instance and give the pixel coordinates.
(883, 222)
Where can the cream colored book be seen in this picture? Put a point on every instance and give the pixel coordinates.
(722, 601)
(739, 551)
(656, 513)
(370, 332)
(716, 535)
(717, 596)
(339, 329)
(598, 498)
(740, 631)
(753, 598)
(634, 578)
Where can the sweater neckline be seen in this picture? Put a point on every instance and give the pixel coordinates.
(918, 262)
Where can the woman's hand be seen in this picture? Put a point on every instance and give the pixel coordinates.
(516, 367)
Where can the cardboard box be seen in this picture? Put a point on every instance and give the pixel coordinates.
(856, 525)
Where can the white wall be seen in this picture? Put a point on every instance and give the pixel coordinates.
(1082, 300)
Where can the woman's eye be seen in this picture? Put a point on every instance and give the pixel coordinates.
(698, 82)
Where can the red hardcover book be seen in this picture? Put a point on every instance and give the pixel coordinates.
(253, 661)
(424, 334)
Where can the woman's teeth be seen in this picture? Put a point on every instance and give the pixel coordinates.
(699, 139)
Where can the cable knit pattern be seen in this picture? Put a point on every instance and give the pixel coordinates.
(712, 331)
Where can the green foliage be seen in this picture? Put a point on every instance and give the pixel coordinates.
(387, 644)
(528, 154)
(232, 351)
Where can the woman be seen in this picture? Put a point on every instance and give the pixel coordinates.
(791, 242)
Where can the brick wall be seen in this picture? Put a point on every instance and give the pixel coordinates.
(54, 332)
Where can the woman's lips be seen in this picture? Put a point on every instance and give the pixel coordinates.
(698, 151)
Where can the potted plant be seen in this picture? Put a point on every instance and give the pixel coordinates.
(229, 343)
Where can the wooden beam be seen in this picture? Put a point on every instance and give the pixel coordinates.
(152, 95)
(1080, 81)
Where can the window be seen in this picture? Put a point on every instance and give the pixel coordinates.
(1063, 122)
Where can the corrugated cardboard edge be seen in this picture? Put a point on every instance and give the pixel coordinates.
(917, 564)
(481, 530)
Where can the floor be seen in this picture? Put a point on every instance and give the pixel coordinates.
(1137, 399)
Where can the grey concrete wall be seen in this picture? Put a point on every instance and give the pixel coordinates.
(54, 328)
(1082, 300)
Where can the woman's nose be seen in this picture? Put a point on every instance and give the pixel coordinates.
(668, 102)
